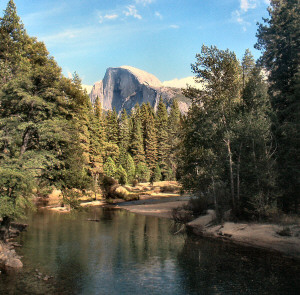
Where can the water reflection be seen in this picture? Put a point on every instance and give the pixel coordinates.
(125, 253)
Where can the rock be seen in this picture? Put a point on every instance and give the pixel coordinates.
(201, 222)
(13, 263)
(125, 86)
(46, 278)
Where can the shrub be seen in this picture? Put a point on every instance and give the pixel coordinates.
(107, 186)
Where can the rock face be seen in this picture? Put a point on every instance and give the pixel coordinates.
(125, 86)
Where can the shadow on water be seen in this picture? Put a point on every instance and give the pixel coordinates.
(126, 253)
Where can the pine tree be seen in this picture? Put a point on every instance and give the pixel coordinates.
(39, 131)
(248, 65)
(142, 172)
(112, 127)
(150, 142)
(279, 39)
(136, 145)
(110, 168)
(121, 175)
(156, 174)
(174, 126)
(124, 136)
(129, 167)
(163, 147)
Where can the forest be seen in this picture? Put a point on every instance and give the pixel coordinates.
(238, 146)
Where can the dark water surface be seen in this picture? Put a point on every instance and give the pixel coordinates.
(126, 253)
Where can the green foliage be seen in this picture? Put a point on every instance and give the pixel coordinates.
(16, 187)
(163, 146)
(226, 136)
(129, 167)
(157, 174)
(137, 146)
(110, 168)
(142, 172)
(121, 175)
(112, 127)
(71, 198)
(279, 40)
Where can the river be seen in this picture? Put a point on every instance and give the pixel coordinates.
(126, 253)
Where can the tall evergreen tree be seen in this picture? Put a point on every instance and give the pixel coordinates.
(174, 126)
(136, 145)
(279, 39)
(163, 147)
(150, 142)
(112, 127)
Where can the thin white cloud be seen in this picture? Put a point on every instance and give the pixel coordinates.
(144, 2)
(174, 26)
(132, 11)
(157, 14)
(112, 16)
(248, 4)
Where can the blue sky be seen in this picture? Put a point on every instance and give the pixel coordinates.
(159, 36)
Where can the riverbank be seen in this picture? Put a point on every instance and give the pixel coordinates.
(156, 200)
(278, 238)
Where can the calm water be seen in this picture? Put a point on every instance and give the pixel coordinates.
(126, 253)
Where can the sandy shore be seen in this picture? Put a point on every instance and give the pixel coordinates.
(159, 207)
(263, 236)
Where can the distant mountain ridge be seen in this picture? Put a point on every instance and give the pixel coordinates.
(125, 86)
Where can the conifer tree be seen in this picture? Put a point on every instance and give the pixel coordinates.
(39, 131)
(163, 147)
(124, 136)
(121, 175)
(112, 127)
(129, 167)
(150, 142)
(110, 168)
(156, 174)
(279, 40)
(136, 145)
(174, 125)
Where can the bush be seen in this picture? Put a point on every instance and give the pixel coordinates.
(71, 198)
(108, 184)
(181, 215)
(198, 205)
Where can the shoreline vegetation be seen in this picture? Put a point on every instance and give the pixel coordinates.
(155, 200)
(236, 149)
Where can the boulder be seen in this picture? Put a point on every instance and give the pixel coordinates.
(201, 222)
(13, 263)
